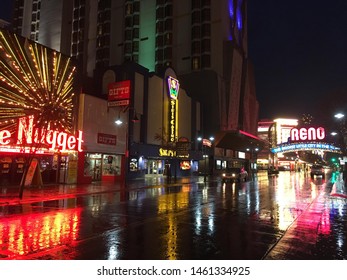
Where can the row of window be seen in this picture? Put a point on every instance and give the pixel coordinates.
(196, 4)
(131, 34)
(201, 16)
(131, 8)
(201, 62)
(130, 21)
(201, 46)
(201, 31)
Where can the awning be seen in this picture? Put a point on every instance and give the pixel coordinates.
(238, 140)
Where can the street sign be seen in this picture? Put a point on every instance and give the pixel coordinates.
(118, 103)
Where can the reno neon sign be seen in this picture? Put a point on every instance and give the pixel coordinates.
(307, 134)
(55, 140)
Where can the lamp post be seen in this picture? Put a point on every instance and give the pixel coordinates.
(205, 143)
(119, 122)
(253, 159)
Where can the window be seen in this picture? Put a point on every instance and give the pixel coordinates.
(127, 47)
(128, 35)
(160, 26)
(206, 45)
(160, 13)
(196, 32)
(206, 30)
(159, 55)
(168, 39)
(128, 9)
(136, 7)
(206, 15)
(136, 33)
(196, 47)
(159, 41)
(167, 53)
(168, 24)
(128, 21)
(196, 17)
(195, 4)
(168, 11)
(136, 20)
(205, 3)
(196, 63)
(135, 46)
(206, 61)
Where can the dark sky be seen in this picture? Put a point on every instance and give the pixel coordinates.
(299, 52)
(5, 9)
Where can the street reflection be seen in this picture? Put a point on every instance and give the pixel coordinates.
(230, 221)
(22, 235)
(170, 204)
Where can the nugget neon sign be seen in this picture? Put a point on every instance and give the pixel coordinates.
(307, 134)
(55, 140)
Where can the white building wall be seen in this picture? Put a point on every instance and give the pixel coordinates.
(94, 118)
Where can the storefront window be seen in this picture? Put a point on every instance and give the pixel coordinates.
(111, 165)
(133, 164)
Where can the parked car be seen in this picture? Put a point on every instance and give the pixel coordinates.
(317, 170)
(235, 175)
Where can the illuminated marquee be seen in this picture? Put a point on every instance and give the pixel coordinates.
(173, 88)
(307, 134)
(303, 138)
(55, 140)
(285, 148)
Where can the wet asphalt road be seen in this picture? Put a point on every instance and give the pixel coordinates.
(284, 217)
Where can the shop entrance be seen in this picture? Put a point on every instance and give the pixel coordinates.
(96, 169)
(155, 167)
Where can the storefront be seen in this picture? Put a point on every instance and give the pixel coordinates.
(56, 154)
(38, 137)
(102, 167)
(160, 161)
(237, 148)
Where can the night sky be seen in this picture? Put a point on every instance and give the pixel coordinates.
(299, 51)
(6, 10)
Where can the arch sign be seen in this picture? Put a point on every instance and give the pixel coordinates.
(306, 138)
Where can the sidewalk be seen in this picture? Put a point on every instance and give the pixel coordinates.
(302, 238)
(9, 195)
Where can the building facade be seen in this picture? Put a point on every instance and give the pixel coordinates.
(203, 41)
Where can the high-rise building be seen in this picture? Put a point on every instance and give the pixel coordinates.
(204, 41)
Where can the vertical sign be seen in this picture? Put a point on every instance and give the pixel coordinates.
(173, 87)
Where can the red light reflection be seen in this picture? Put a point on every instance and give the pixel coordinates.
(22, 235)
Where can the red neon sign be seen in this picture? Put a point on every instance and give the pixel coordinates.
(307, 134)
(55, 140)
(119, 90)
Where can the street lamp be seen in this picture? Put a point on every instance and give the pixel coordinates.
(205, 143)
(119, 122)
(339, 115)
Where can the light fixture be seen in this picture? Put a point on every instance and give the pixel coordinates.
(339, 115)
(118, 121)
